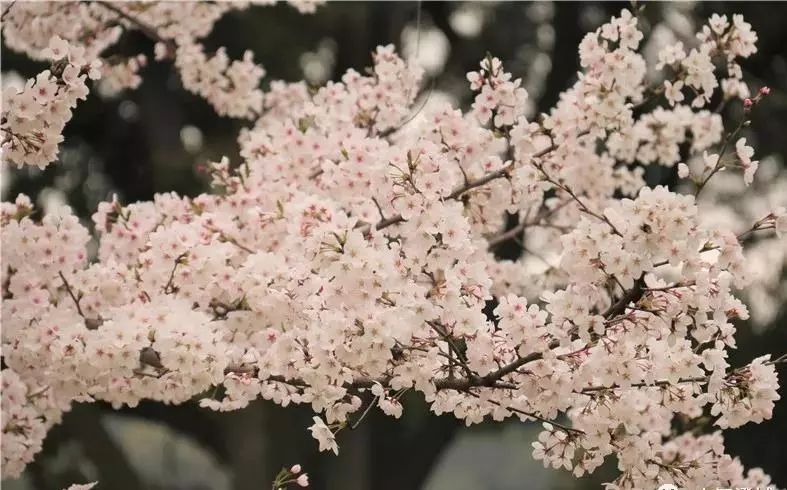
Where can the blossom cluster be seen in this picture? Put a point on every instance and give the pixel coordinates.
(498, 95)
(81, 32)
(33, 118)
(350, 259)
(763, 203)
(290, 477)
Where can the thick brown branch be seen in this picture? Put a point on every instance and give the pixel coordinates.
(460, 356)
(631, 296)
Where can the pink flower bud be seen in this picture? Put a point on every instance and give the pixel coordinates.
(747, 103)
(303, 480)
(765, 90)
(296, 468)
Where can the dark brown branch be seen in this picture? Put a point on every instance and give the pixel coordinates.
(169, 287)
(71, 293)
(470, 185)
(460, 356)
(7, 11)
(142, 26)
(593, 389)
(514, 232)
(90, 323)
(631, 296)
(492, 378)
(568, 430)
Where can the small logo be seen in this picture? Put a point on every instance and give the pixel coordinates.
(667, 486)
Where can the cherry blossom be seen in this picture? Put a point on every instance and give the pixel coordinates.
(33, 120)
(324, 436)
(744, 156)
(349, 258)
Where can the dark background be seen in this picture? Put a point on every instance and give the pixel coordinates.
(133, 145)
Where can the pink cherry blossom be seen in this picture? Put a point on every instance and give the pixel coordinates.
(350, 257)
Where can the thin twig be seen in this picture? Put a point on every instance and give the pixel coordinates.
(719, 165)
(71, 293)
(363, 415)
(142, 26)
(460, 356)
(6, 11)
(456, 193)
(564, 428)
(514, 232)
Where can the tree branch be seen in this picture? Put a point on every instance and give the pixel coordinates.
(140, 25)
(467, 186)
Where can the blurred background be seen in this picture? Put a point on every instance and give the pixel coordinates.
(152, 139)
